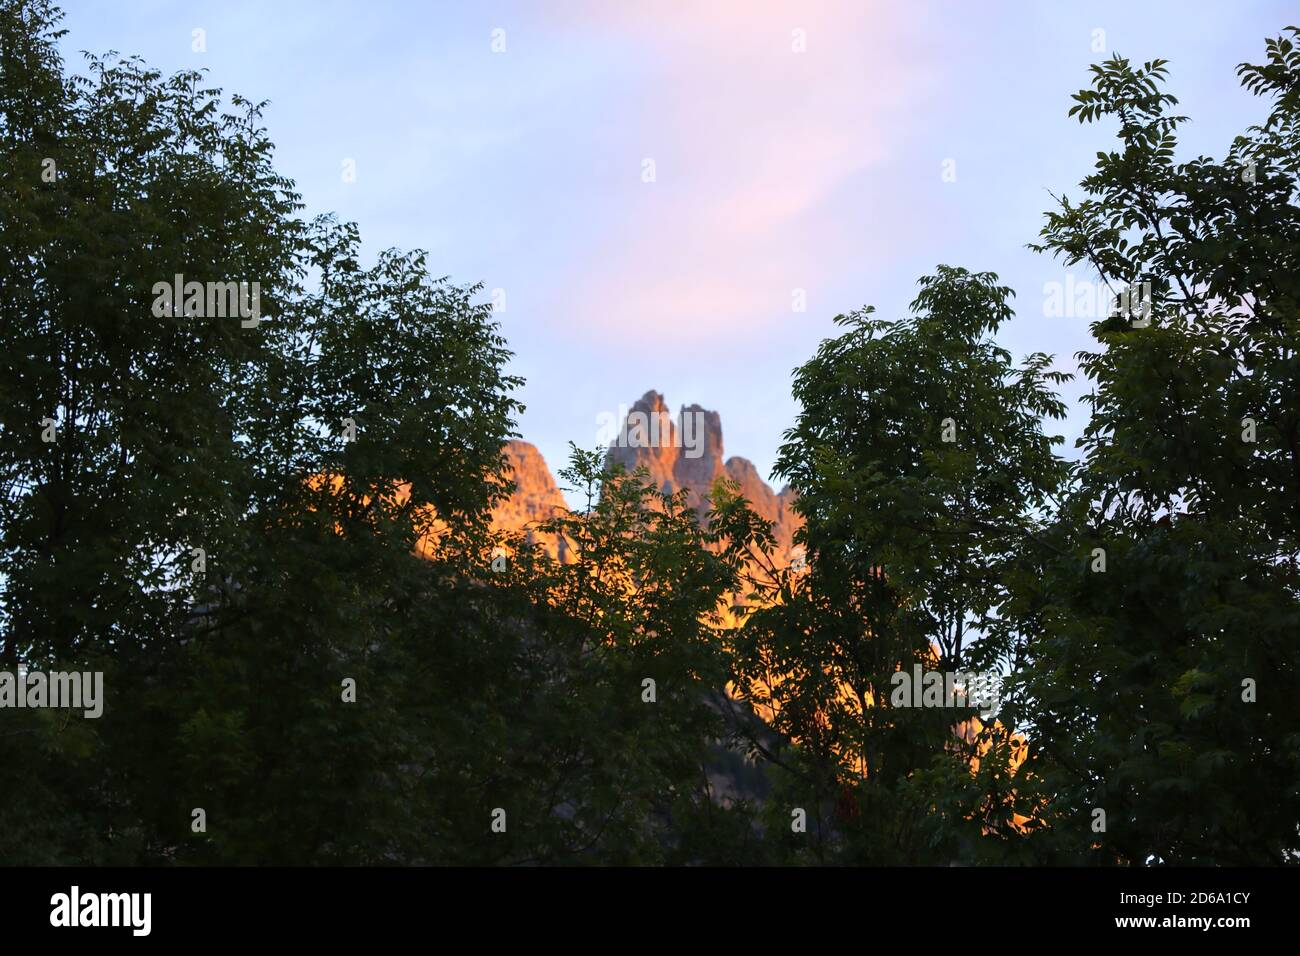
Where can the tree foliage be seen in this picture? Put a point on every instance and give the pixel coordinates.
(1161, 689)
(273, 537)
(336, 463)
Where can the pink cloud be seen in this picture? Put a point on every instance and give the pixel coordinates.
(751, 141)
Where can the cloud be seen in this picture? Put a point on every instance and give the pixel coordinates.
(756, 116)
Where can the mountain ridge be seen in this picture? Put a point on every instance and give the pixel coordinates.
(685, 452)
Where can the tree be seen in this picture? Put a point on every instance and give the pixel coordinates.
(920, 464)
(340, 673)
(1160, 691)
(226, 514)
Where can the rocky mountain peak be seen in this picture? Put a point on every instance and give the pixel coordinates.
(688, 454)
(682, 452)
(536, 498)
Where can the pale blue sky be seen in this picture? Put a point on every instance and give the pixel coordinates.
(775, 170)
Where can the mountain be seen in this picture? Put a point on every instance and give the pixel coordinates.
(679, 453)
(687, 453)
(537, 497)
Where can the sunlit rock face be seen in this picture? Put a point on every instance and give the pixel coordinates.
(649, 439)
(537, 498)
(683, 452)
(686, 453)
(776, 508)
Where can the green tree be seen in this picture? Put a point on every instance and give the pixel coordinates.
(1160, 687)
(920, 465)
(341, 675)
(609, 754)
(176, 431)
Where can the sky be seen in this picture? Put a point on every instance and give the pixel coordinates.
(682, 196)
